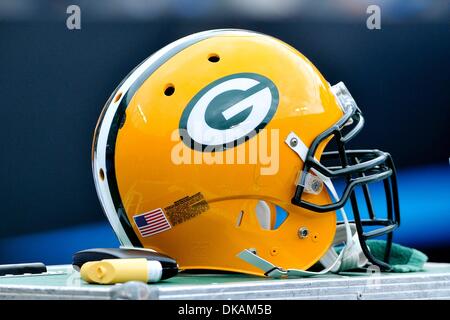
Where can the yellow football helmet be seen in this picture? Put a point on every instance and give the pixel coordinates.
(212, 151)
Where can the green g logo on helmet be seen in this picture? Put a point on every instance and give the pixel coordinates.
(228, 112)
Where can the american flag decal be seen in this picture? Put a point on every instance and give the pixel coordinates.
(152, 222)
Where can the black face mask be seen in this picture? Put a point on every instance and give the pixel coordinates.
(357, 169)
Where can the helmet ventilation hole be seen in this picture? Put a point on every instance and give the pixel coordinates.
(101, 174)
(169, 90)
(239, 218)
(213, 57)
(315, 237)
(118, 97)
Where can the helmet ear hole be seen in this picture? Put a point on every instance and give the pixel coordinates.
(281, 216)
(264, 215)
(269, 215)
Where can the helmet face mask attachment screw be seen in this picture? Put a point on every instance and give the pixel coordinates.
(316, 186)
(293, 143)
(303, 232)
(313, 184)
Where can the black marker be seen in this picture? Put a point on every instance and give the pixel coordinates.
(22, 268)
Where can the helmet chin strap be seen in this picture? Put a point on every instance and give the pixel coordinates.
(351, 255)
(354, 256)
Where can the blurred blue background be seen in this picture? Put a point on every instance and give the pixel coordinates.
(54, 83)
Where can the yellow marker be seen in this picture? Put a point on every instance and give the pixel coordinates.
(111, 271)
